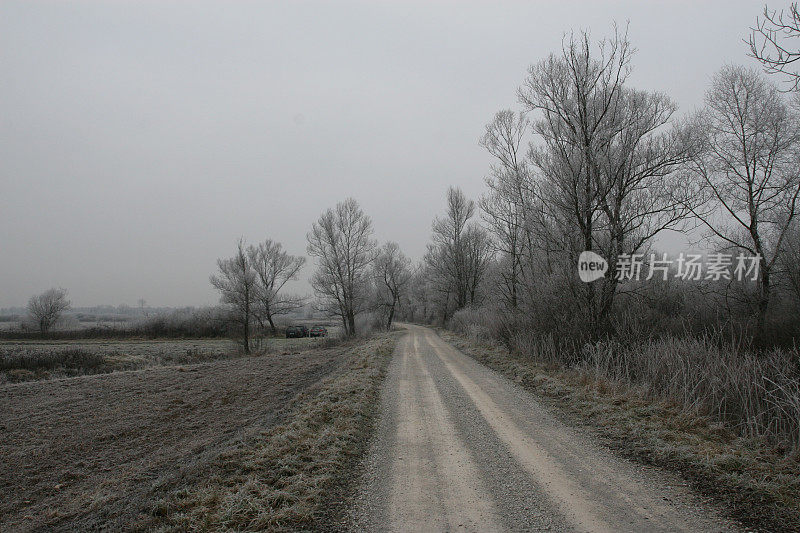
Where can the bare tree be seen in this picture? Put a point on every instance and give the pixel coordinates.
(392, 273)
(274, 267)
(237, 284)
(604, 169)
(510, 196)
(643, 190)
(342, 242)
(747, 168)
(575, 93)
(460, 253)
(436, 286)
(478, 255)
(769, 42)
(46, 308)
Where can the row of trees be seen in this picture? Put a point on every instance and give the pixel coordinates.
(354, 275)
(590, 163)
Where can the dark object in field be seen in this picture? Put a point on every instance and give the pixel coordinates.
(318, 331)
(296, 332)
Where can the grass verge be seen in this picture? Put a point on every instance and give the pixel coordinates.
(295, 475)
(759, 483)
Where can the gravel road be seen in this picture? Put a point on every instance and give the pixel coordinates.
(461, 448)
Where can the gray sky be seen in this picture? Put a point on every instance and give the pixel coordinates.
(139, 140)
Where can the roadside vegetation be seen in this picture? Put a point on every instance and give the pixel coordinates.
(755, 476)
(295, 475)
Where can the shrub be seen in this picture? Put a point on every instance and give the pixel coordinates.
(755, 394)
(719, 372)
(38, 360)
(368, 323)
(18, 375)
(189, 322)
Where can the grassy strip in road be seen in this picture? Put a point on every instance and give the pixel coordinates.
(294, 475)
(759, 483)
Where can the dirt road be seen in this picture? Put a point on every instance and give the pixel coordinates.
(461, 448)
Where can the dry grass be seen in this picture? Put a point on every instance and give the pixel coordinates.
(291, 476)
(22, 360)
(754, 392)
(95, 453)
(26, 365)
(756, 478)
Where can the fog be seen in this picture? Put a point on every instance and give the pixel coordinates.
(140, 140)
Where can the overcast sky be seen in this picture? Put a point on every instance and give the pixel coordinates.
(139, 140)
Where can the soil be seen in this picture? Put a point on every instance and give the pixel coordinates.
(97, 452)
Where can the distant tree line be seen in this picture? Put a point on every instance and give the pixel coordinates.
(354, 276)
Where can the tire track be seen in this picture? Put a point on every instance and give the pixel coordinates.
(436, 485)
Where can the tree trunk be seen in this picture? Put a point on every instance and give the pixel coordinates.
(514, 282)
(272, 324)
(594, 331)
(246, 341)
(763, 303)
(391, 315)
(351, 323)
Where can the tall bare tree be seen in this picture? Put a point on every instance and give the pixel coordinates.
(643, 190)
(392, 272)
(274, 267)
(236, 282)
(509, 197)
(575, 94)
(460, 253)
(341, 240)
(770, 42)
(746, 168)
(46, 308)
(604, 166)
